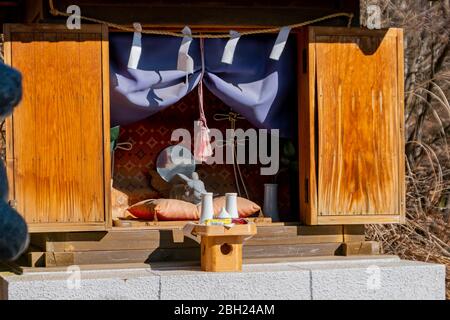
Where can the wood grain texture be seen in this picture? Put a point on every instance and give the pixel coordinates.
(354, 233)
(138, 239)
(221, 231)
(276, 253)
(401, 140)
(358, 137)
(221, 253)
(306, 127)
(58, 128)
(9, 161)
(360, 248)
(106, 126)
(355, 107)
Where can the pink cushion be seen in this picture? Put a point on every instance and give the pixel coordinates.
(164, 209)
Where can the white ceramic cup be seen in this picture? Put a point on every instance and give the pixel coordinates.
(231, 205)
(207, 207)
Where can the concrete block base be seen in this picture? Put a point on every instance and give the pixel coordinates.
(382, 277)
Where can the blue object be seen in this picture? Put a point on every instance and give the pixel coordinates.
(263, 90)
(14, 236)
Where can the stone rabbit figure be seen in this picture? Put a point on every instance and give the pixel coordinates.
(190, 189)
(14, 236)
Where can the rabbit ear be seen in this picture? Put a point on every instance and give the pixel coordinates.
(182, 176)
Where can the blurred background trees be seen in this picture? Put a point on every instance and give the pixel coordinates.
(426, 234)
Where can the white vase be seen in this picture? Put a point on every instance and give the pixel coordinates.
(223, 214)
(207, 207)
(270, 208)
(231, 205)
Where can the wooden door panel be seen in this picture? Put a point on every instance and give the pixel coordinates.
(356, 109)
(358, 124)
(58, 128)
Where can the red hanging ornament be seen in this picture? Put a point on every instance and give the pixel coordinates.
(202, 140)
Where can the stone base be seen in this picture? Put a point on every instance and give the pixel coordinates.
(380, 277)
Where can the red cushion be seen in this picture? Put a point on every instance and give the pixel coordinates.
(164, 209)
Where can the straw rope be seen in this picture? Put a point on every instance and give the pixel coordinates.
(232, 117)
(56, 12)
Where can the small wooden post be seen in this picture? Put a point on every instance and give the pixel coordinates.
(221, 247)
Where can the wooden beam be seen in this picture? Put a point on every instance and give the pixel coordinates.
(225, 13)
(126, 256)
(117, 240)
(53, 259)
(34, 11)
(36, 259)
(360, 248)
(354, 233)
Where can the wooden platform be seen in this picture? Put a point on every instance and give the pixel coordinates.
(135, 245)
(221, 246)
(146, 224)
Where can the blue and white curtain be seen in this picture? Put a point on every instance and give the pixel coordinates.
(261, 89)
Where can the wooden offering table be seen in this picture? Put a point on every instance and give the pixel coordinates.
(221, 247)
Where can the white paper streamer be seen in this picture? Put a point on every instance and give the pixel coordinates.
(187, 231)
(136, 47)
(230, 47)
(185, 61)
(280, 43)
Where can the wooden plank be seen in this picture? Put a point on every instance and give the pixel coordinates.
(66, 196)
(145, 239)
(299, 230)
(296, 234)
(221, 254)
(313, 193)
(110, 241)
(401, 121)
(137, 223)
(295, 250)
(36, 259)
(354, 233)
(357, 142)
(23, 58)
(184, 254)
(360, 138)
(306, 120)
(57, 131)
(92, 141)
(54, 27)
(130, 223)
(66, 227)
(128, 256)
(34, 11)
(219, 231)
(359, 219)
(360, 248)
(106, 126)
(222, 13)
(9, 123)
(177, 236)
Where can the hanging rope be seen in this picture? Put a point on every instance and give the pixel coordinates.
(202, 144)
(56, 12)
(232, 117)
(200, 84)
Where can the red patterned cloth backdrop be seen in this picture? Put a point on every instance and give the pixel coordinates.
(135, 171)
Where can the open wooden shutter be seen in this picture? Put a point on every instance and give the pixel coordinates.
(58, 137)
(351, 126)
